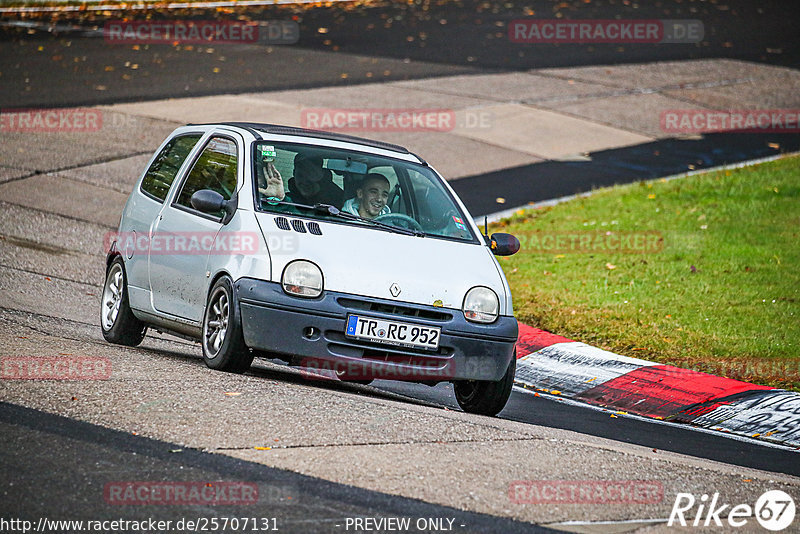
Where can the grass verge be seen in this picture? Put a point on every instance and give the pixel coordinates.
(701, 272)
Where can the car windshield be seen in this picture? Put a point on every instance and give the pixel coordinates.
(357, 188)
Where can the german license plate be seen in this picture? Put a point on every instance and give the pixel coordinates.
(392, 332)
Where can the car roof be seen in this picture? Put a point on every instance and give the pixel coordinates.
(318, 134)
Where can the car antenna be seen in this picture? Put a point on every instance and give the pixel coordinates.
(486, 225)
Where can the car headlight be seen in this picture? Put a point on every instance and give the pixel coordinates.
(302, 278)
(481, 305)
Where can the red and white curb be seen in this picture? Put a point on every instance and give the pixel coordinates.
(561, 366)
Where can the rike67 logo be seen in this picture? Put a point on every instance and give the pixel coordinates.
(774, 510)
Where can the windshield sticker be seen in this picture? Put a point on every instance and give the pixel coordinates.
(268, 153)
(459, 223)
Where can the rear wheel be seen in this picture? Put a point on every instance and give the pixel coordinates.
(117, 321)
(485, 397)
(223, 344)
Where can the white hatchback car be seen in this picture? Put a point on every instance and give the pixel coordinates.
(324, 250)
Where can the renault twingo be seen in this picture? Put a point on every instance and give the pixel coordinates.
(324, 250)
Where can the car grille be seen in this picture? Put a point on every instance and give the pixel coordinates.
(342, 345)
(394, 309)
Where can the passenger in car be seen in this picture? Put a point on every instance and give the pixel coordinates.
(312, 184)
(371, 197)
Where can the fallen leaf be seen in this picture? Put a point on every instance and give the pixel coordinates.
(610, 266)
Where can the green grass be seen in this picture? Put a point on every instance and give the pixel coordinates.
(722, 294)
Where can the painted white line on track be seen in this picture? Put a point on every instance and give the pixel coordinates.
(618, 413)
(619, 522)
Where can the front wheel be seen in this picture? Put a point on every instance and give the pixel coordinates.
(117, 321)
(484, 397)
(223, 344)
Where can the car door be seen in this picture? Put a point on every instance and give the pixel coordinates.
(182, 236)
(143, 209)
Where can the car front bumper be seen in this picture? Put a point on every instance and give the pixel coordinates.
(312, 330)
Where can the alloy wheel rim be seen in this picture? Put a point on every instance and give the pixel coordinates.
(112, 296)
(216, 327)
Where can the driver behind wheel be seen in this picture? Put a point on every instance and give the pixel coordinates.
(371, 197)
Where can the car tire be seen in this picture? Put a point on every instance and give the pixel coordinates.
(117, 321)
(486, 397)
(223, 343)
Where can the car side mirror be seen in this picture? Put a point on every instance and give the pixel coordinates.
(209, 201)
(503, 244)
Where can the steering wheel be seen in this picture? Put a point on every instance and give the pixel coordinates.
(400, 217)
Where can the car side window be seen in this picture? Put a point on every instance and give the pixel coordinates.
(162, 171)
(215, 169)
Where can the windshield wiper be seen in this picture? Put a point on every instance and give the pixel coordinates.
(328, 209)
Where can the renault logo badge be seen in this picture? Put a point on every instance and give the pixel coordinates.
(394, 289)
